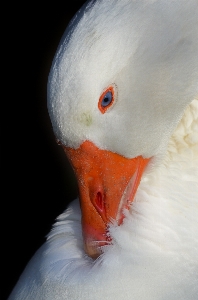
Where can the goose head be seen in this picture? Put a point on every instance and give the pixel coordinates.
(121, 78)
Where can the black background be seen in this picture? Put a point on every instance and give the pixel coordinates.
(38, 182)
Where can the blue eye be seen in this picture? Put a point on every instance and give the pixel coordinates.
(107, 99)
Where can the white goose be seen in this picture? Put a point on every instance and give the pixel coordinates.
(121, 93)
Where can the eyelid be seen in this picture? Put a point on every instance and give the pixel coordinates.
(104, 109)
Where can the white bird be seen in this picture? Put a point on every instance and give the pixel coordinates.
(123, 101)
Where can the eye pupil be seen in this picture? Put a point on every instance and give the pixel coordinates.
(107, 99)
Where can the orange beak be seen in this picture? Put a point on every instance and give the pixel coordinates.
(107, 185)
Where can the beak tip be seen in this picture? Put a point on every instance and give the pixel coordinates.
(92, 250)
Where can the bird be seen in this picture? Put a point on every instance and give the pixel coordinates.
(123, 103)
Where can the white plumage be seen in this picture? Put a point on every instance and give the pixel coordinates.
(149, 50)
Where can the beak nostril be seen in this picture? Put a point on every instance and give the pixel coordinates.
(99, 202)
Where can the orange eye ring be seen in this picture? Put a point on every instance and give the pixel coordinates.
(106, 99)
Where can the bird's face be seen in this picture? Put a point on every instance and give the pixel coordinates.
(113, 101)
(107, 179)
(95, 134)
